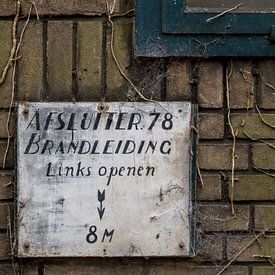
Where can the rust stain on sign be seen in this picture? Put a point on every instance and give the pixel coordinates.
(103, 180)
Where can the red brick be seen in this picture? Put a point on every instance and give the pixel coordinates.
(211, 126)
(210, 86)
(89, 58)
(212, 188)
(30, 65)
(219, 217)
(218, 157)
(266, 95)
(241, 85)
(177, 81)
(60, 60)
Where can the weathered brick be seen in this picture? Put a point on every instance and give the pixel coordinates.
(10, 155)
(177, 80)
(7, 8)
(5, 47)
(211, 126)
(210, 86)
(265, 246)
(219, 217)
(60, 60)
(241, 85)
(89, 58)
(265, 217)
(218, 156)
(6, 186)
(209, 248)
(117, 86)
(5, 249)
(68, 7)
(253, 187)
(30, 65)
(263, 156)
(164, 268)
(212, 188)
(181, 269)
(3, 122)
(266, 95)
(250, 126)
(6, 211)
(263, 270)
(19, 269)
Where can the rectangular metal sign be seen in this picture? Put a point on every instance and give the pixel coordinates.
(103, 179)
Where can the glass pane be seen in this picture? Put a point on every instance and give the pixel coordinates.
(236, 5)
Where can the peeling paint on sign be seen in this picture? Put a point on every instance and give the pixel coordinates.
(108, 179)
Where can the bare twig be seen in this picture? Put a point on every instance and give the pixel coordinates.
(266, 83)
(193, 128)
(228, 75)
(12, 242)
(123, 14)
(200, 175)
(242, 250)
(250, 93)
(262, 171)
(223, 13)
(263, 120)
(14, 43)
(36, 10)
(261, 140)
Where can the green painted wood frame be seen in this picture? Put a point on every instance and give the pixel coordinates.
(164, 28)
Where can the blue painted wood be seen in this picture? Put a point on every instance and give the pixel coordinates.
(152, 42)
(175, 19)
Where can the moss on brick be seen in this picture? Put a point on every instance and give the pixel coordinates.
(263, 270)
(265, 217)
(89, 52)
(254, 187)
(251, 125)
(5, 46)
(117, 86)
(263, 156)
(218, 157)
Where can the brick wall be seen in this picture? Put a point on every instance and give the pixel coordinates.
(65, 56)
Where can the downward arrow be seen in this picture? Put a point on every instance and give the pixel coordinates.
(101, 198)
(101, 211)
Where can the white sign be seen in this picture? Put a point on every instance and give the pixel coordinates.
(101, 180)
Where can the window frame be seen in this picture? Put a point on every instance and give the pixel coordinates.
(164, 28)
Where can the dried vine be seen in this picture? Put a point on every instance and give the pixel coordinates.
(15, 57)
(229, 72)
